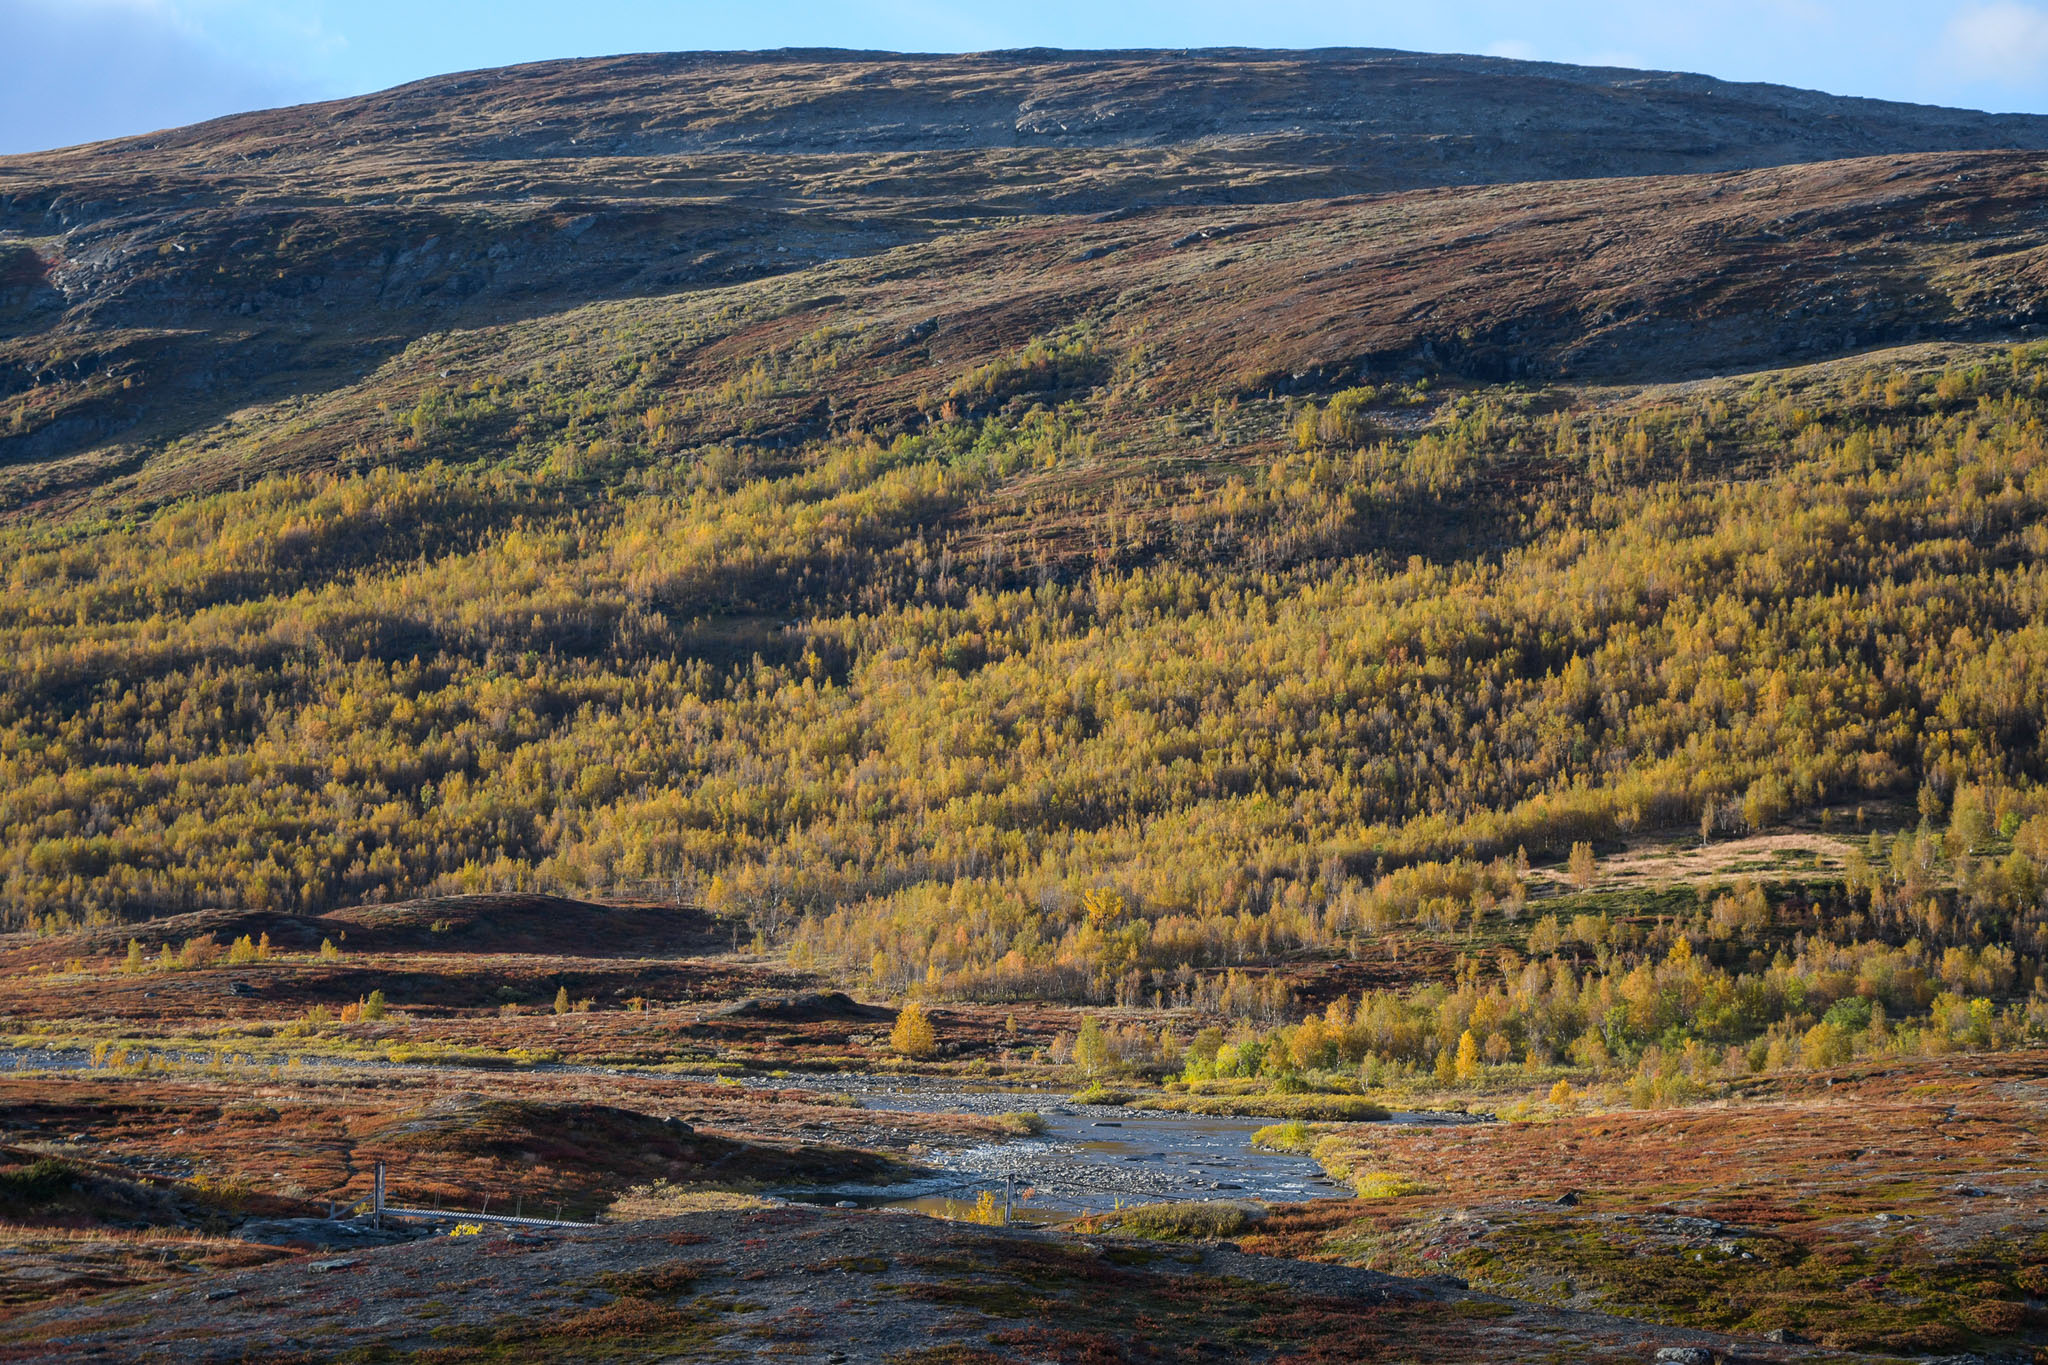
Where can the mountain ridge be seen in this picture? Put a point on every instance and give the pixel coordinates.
(1938, 128)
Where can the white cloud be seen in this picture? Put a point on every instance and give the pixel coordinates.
(2003, 43)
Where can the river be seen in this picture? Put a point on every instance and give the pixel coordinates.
(1088, 1158)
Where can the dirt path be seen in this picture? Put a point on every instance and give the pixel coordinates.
(1661, 863)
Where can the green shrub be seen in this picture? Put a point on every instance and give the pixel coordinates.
(1387, 1185)
(1310, 1108)
(38, 1182)
(1291, 1136)
(1187, 1221)
(1098, 1093)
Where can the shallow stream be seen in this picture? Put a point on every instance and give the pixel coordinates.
(1089, 1158)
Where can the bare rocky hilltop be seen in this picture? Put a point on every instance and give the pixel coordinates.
(1368, 120)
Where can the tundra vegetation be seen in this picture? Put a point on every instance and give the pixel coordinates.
(972, 622)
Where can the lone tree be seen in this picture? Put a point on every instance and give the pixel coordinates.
(913, 1035)
(1584, 870)
(1466, 1066)
(1091, 1048)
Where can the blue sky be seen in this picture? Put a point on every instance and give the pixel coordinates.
(76, 70)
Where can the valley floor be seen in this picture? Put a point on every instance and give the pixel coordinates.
(1883, 1211)
(814, 1285)
(172, 1139)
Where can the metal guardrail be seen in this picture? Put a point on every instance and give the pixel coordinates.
(457, 1216)
(379, 1209)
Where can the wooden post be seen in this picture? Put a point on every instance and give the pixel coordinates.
(1006, 1198)
(378, 1218)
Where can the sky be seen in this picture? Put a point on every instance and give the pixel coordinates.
(79, 70)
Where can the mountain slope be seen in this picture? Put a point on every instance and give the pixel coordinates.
(1642, 278)
(711, 534)
(149, 287)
